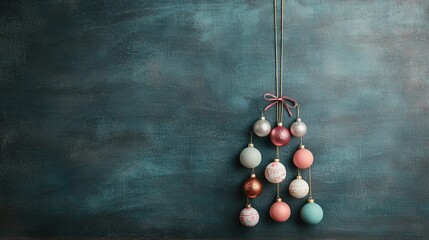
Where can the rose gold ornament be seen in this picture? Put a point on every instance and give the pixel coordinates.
(252, 187)
(280, 135)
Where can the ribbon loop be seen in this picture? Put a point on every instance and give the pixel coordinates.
(274, 100)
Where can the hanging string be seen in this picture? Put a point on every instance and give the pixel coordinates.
(279, 82)
(309, 179)
(278, 105)
(299, 172)
(278, 69)
(251, 137)
(297, 110)
(281, 60)
(297, 117)
(279, 99)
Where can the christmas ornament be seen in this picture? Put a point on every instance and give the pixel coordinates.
(311, 213)
(303, 158)
(252, 187)
(262, 127)
(250, 157)
(280, 136)
(280, 211)
(298, 128)
(275, 172)
(249, 217)
(298, 188)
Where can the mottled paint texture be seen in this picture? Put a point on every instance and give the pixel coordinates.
(126, 118)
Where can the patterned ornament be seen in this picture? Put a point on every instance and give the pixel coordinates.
(280, 211)
(275, 172)
(311, 213)
(298, 188)
(280, 136)
(303, 158)
(252, 187)
(298, 128)
(249, 217)
(250, 157)
(262, 127)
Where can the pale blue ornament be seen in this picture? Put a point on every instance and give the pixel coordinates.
(311, 213)
(250, 157)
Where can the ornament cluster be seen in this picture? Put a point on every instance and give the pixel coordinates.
(275, 171)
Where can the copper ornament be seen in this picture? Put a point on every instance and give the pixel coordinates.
(252, 187)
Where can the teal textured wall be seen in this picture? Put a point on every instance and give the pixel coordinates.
(126, 118)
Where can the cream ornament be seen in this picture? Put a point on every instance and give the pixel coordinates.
(249, 216)
(275, 172)
(298, 188)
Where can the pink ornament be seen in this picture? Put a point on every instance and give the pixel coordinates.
(280, 136)
(280, 211)
(303, 158)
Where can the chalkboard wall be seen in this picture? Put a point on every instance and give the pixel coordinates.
(126, 118)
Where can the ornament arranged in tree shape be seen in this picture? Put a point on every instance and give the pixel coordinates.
(280, 136)
(250, 157)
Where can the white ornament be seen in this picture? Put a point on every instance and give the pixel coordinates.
(275, 172)
(250, 157)
(262, 127)
(249, 217)
(298, 128)
(298, 188)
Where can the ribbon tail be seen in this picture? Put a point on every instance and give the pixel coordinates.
(287, 108)
(269, 106)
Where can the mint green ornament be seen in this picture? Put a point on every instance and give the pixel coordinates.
(311, 213)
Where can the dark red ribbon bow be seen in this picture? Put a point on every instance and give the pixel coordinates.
(274, 100)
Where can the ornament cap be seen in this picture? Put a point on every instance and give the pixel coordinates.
(276, 160)
(298, 119)
(250, 145)
(310, 200)
(262, 118)
(299, 177)
(253, 175)
(279, 124)
(301, 146)
(248, 205)
(278, 199)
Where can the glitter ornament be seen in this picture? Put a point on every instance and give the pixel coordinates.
(280, 211)
(311, 213)
(280, 136)
(303, 158)
(298, 128)
(249, 217)
(250, 157)
(252, 187)
(262, 127)
(298, 188)
(275, 172)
